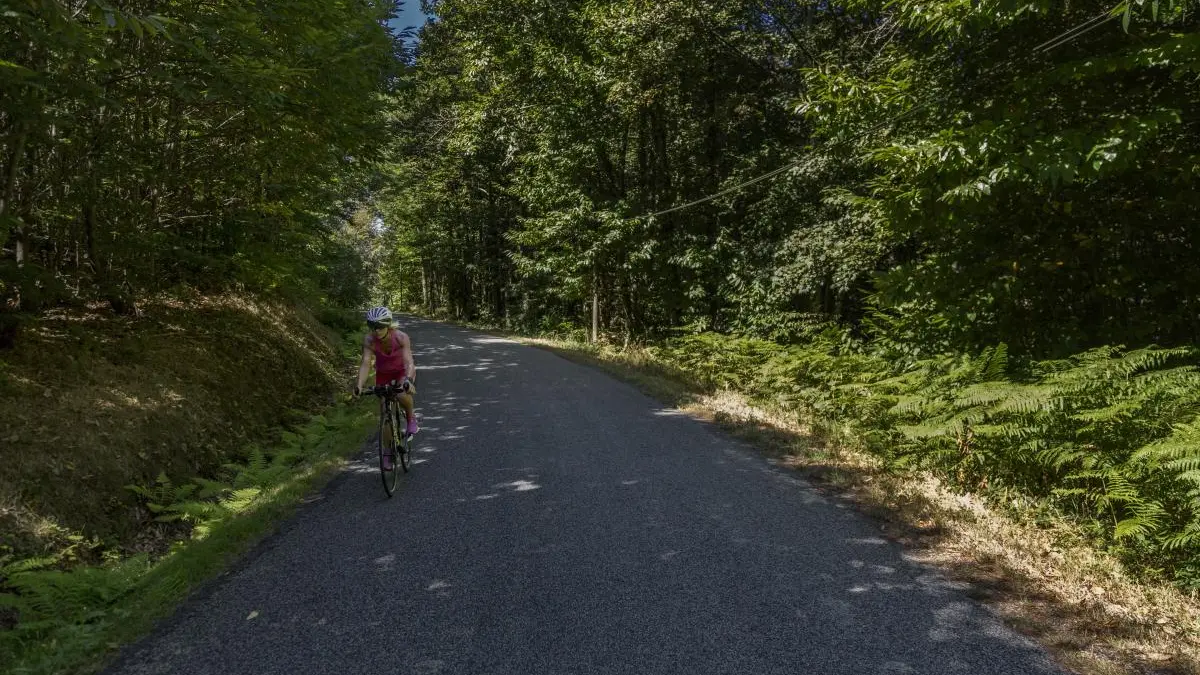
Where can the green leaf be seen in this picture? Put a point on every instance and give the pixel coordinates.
(156, 24)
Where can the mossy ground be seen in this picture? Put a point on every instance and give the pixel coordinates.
(207, 387)
(92, 402)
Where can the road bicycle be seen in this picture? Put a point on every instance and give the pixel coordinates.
(395, 444)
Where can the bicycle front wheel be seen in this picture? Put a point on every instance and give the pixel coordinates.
(387, 451)
(404, 446)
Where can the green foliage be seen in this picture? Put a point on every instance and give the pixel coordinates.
(955, 170)
(161, 495)
(1108, 436)
(205, 503)
(537, 129)
(219, 147)
(68, 614)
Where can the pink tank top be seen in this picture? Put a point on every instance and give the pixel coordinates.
(391, 361)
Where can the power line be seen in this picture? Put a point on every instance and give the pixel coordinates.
(1077, 31)
(722, 193)
(1059, 40)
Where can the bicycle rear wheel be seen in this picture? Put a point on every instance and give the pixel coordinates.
(387, 450)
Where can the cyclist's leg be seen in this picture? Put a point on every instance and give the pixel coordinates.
(406, 403)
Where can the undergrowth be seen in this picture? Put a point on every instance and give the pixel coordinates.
(65, 620)
(148, 452)
(92, 401)
(1109, 438)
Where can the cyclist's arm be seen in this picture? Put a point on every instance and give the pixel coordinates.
(410, 367)
(364, 370)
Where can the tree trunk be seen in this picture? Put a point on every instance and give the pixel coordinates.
(595, 308)
(10, 184)
(424, 288)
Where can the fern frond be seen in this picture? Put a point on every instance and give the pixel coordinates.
(211, 488)
(240, 499)
(198, 512)
(1187, 539)
(27, 565)
(995, 363)
(1060, 456)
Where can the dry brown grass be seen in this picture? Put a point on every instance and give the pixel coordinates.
(92, 402)
(1043, 580)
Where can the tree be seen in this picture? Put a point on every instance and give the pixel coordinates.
(171, 142)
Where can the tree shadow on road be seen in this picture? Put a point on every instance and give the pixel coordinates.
(1085, 631)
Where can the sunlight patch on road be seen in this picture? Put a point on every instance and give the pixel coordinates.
(948, 620)
(520, 486)
(475, 365)
(669, 412)
(492, 341)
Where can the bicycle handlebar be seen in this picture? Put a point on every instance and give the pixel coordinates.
(391, 388)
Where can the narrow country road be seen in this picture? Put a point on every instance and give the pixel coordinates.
(559, 521)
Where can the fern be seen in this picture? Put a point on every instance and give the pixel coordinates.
(1189, 538)
(1109, 435)
(45, 598)
(211, 489)
(1146, 520)
(239, 500)
(57, 600)
(162, 495)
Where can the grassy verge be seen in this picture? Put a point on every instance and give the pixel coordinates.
(69, 621)
(144, 454)
(92, 402)
(1042, 574)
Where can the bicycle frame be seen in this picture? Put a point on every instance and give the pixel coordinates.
(397, 445)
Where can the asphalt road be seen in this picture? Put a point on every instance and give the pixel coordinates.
(559, 521)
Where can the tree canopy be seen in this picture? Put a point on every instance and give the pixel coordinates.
(175, 142)
(963, 173)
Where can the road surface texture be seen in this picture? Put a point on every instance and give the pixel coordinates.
(559, 521)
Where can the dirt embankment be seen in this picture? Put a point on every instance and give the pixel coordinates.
(91, 402)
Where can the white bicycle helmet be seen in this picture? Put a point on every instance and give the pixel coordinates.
(380, 315)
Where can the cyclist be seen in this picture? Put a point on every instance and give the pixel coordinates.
(391, 351)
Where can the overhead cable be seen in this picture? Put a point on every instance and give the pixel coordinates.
(1059, 40)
